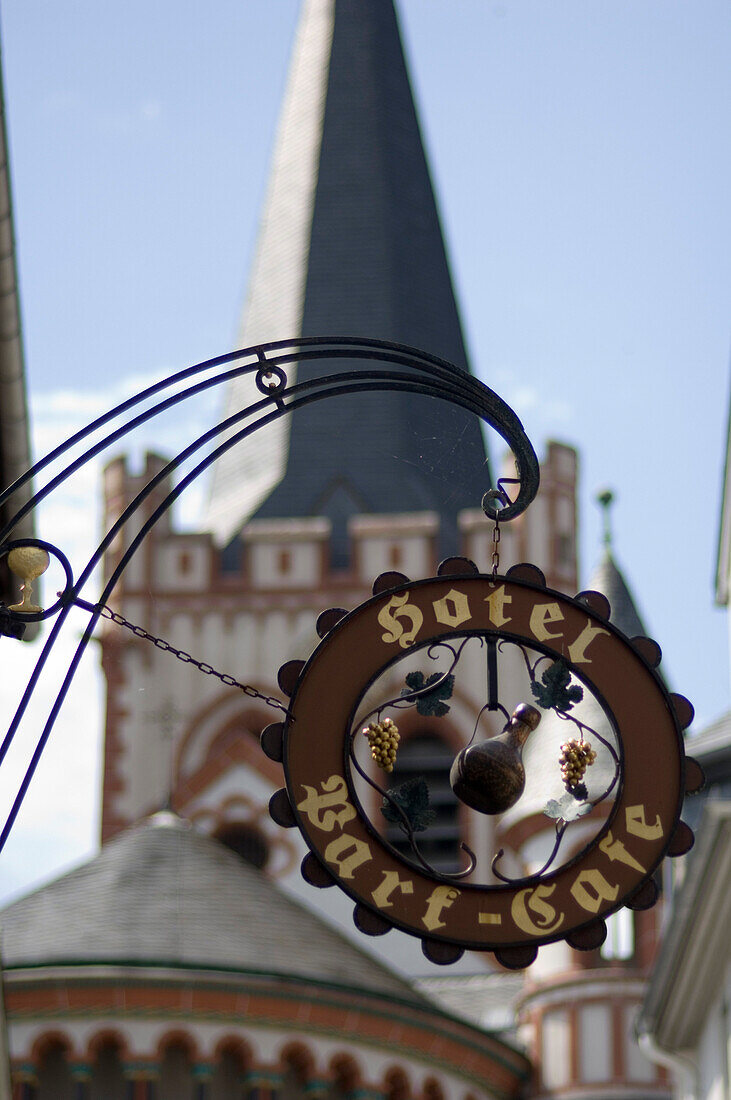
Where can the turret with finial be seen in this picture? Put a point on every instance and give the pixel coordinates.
(605, 499)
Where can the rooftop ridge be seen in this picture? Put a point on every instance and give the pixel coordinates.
(146, 898)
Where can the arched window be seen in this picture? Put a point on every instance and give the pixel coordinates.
(345, 1077)
(426, 756)
(397, 1085)
(54, 1076)
(107, 1077)
(433, 1090)
(227, 1082)
(296, 1066)
(176, 1078)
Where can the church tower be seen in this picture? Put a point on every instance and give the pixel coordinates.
(323, 502)
(351, 245)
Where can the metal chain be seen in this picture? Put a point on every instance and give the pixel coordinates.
(495, 548)
(186, 658)
(494, 496)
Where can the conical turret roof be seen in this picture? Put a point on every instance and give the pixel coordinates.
(351, 244)
(161, 894)
(608, 579)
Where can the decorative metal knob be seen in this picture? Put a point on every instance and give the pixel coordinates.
(490, 777)
(28, 563)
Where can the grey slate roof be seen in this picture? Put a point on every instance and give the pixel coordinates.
(712, 748)
(351, 244)
(486, 1000)
(608, 579)
(162, 894)
(713, 741)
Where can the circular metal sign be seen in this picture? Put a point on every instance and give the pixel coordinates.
(510, 919)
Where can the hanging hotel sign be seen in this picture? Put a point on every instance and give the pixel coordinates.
(617, 774)
(578, 651)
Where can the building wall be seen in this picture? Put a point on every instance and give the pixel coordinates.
(713, 1052)
(200, 1036)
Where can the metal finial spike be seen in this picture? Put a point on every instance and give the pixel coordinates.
(605, 499)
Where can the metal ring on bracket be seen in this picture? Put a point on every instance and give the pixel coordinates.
(64, 596)
(495, 495)
(264, 387)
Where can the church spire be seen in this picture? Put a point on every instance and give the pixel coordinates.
(605, 500)
(351, 244)
(609, 579)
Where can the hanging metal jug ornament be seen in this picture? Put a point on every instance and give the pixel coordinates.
(489, 776)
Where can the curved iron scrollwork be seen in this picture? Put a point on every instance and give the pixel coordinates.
(387, 366)
(578, 803)
(575, 804)
(408, 699)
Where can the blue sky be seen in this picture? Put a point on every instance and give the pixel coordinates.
(581, 156)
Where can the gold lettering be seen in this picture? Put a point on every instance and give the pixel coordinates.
(590, 888)
(440, 898)
(455, 615)
(615, 849)
(391, 882)
(317, 806)
(347, 853)
(577, 649)
(489, 918)
(544, 613)
(398, 608)
(637, 826)
(496, 606)
(535, 899)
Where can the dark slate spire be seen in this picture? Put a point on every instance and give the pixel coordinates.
(607, 578)
(351, 245)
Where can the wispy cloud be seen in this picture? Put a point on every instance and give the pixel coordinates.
(70, 104)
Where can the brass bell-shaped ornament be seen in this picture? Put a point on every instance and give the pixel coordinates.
(489, 776)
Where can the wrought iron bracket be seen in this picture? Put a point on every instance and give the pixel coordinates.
(387, 366)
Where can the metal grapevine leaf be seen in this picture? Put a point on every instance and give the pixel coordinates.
(566, 808)
(431, 704)
(557, 692)
(413, 798)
